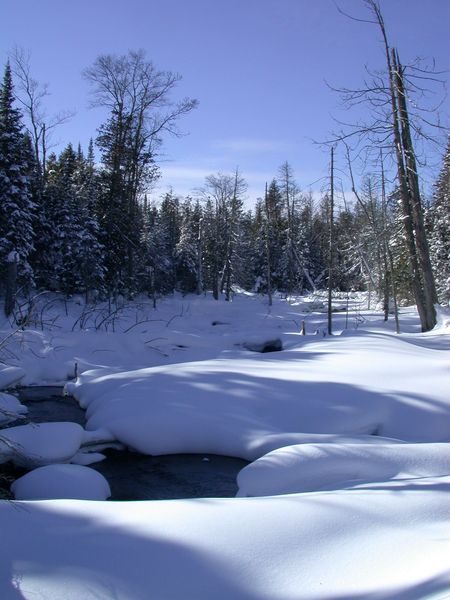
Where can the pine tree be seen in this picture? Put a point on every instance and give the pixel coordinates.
(186, 249)
(89, 250)
(74, 255)
(16, 205)
(438, 218)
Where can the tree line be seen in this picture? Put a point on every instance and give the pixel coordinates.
(72, 224)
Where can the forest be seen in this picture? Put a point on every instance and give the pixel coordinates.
(85, 220)
(240, 391)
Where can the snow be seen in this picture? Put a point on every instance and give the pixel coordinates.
(368, 543)
(10, 376)
(442, 318)
(34, 445)
(312, 467)
(348, 494)
(10, 409)
(61, 481)
(243, 404)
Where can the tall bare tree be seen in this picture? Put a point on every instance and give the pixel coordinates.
(391, 127)
(31, 94)
(139, 99)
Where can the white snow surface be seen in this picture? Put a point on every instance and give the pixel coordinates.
(386, 542)
(10, 408)
(312, 467)
(61, 481)
(10, 376)
(350, 515)
(35, 445)
(245, 404)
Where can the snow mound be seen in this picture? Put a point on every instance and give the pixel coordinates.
(61, 481)
(233, 408)
(87, 458)
(247, 404)
(10, 409)
(35, 445)
(312, 467)
(442, 319)
(10, 376)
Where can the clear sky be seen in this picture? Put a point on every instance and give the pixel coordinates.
(257, 67)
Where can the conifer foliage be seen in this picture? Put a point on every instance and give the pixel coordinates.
(93, 227)
(16, 205)
(439, 224)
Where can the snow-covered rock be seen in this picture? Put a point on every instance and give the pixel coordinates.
(10, 409)
(35, 445)
(10, 376)
(61, 481)
(263, 344)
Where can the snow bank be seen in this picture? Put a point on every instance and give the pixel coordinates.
(10, 409)
(309, 467)
(34, 445)
(245, 404)
(391, 543)
(61, 481)
(10, 376)
(235, 408)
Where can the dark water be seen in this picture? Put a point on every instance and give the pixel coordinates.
(134, 476)
(47, 404)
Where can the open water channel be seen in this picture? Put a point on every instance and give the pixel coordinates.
(134, 476)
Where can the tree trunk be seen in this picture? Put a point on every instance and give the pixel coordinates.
(199, 289)
(11, 284)
(422, 248)
(268, 256)
(404, 164)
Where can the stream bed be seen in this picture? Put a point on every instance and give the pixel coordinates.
(134, 476)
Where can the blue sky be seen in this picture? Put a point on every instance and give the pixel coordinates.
(257, 67)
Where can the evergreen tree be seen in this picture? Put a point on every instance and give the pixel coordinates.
(438, 218)
(186, 249)
(16, 205)
(74, 255)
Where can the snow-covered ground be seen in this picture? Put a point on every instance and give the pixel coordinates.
(349, 436)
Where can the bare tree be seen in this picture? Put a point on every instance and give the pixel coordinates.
(139, 98)
(141, 111)
(392, 128)
(31, 94)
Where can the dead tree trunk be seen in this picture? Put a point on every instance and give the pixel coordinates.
(330, 249)
(407, 180)
(423, 251)
(268, 254)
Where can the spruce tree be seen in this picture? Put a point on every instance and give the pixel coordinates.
(186, 249)
(16, 205)
(439, 220)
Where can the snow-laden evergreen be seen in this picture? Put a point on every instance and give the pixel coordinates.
(439, 219)
(16, 203)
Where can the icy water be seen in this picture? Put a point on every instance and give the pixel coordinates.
(134, 476)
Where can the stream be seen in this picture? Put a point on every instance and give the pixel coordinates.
(134, 476)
